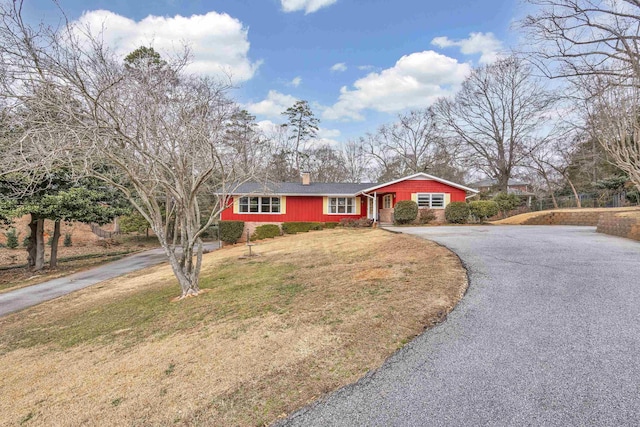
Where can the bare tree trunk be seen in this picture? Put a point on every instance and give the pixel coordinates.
(116, 225)
(503, 183)
(31, 247)
(53, 262)
(39, 259)
(188, 282)
(553, 196)
(575, 193)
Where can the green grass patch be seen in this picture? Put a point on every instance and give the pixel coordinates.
(238, 290)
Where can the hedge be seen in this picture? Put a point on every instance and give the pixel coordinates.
(266, 231)
(483, 209)
(230, 231)
(300, 227)
(506, 202)
(405, 211)
(457, 212)
(329, 225)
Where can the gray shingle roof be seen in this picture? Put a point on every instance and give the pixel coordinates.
(296, 188)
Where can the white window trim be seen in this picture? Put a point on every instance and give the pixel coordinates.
(353, 206)
(444, 200)
(260, 205)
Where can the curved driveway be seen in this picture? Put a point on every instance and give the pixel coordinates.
(22, 298)
(547, 334)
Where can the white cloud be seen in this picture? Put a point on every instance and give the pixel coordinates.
(415, 81)
(268, 127)
(219, 43)
(309, 6)
(366, 67)
(485, 44)
(339, 67)
(273, 105)
(328, 133)
(295, 82)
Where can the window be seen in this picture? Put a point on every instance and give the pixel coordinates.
(431, 200)
(387, 201)
(342, 205)
(259, 205)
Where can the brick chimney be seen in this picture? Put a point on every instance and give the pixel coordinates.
(306, 178)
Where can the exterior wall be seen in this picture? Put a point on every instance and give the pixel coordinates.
(386, 215)
(298, 208)
(404, 189)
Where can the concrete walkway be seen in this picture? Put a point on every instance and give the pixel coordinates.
(31, 295)
(548, 334)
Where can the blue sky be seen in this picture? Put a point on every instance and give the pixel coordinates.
(357, 63)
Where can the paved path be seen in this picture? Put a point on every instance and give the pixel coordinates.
(32, 295)
(547, 335)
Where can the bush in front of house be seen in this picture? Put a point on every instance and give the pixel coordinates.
(329, 225)
(266, 231)
(506, 202)
(457, 212)
(483, 209)
(231, 231)
(405, 212)
(426, 215)
(300, 227)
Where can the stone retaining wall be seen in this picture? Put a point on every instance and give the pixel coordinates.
(620, 225)
(566, 218)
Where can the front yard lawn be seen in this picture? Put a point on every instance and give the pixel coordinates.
(313, 312)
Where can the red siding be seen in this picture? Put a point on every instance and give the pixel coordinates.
(299, 208)
(404, 189)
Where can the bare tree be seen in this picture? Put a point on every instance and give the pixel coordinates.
(326, 164)
(413, 139)
(159, 134)
(413, 143)
(554, 158)
(594, 44)
(613, 119)
(356, 160)
(498, 114)
(575, 38)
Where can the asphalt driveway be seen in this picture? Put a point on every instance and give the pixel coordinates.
(548, 334)
(31, 295)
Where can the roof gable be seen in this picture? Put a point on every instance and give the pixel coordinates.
(419, 176)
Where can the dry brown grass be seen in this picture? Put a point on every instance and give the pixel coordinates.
(312, 313)
(520, 219)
